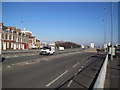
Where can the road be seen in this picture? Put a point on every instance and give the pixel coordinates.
(48, 71)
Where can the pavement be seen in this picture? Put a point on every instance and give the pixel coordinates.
(69, 69)
(113, 74)
(92, 50)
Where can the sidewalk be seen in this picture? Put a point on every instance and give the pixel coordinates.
(113, 74)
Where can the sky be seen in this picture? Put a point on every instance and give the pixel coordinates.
(79, 22)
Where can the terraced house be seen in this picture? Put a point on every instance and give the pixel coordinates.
(14, 39)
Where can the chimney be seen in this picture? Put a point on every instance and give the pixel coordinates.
(18, 30)
(13, 28)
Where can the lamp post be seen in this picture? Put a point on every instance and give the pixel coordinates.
(104, 30)
(111, 31)
(0, 43)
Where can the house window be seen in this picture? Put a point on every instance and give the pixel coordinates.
(6, 36)
(2, 35)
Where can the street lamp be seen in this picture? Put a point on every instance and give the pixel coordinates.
(1, 43)
(104, 30)
(111, 31)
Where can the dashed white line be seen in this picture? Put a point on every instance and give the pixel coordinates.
(75, 65)
(79, 70)
(83, 59)
(26, 63)
(56, 79)
(82, 66)
(75, 74)
(8, 66)
(70, 83)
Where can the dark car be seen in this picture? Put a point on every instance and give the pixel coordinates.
(118, 52)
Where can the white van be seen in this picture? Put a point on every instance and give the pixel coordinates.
(61, 48)
(47, 50)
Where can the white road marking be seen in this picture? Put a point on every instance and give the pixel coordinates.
(27, 63)
(56, 79)
(8, 66)
(83, 59)
(75, 65)
(75, 74)
(0, 69)
(79, 70)
(70, 83)
(82, 66)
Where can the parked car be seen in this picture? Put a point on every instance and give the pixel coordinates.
(47, 50)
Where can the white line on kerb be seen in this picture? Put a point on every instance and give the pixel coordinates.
(70, 83)
(75, 65)
(56, 79)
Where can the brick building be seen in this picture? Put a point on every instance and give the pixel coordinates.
(33, 42)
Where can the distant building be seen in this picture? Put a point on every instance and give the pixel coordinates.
(105, 45)
(27, 32)
(109, 44)
(38, 44)
(52, 44)
(92, 45)
(33, 42)
(82, 46)
(42, 44)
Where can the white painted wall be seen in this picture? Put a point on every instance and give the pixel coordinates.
(14, 46)
(4, 45)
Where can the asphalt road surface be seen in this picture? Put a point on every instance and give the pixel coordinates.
(49, 71)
